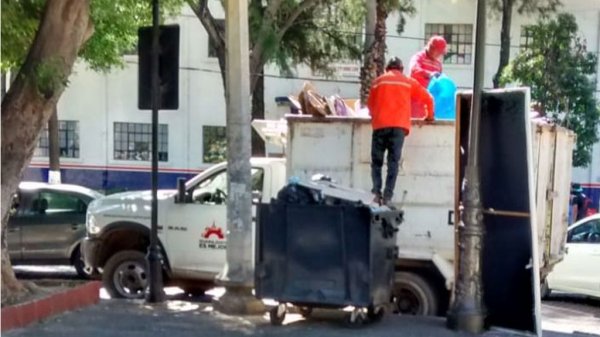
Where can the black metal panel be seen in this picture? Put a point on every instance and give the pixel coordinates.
(507, 252)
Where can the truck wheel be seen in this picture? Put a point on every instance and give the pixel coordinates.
(413, 295)
(125, 275)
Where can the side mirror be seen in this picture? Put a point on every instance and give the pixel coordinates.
(181, 197)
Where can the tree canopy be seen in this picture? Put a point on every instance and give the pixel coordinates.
(115, 29)
(559, 69)
(505, 9)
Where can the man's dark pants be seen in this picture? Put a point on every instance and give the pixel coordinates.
(390, 140)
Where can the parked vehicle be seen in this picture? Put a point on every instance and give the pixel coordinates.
(192, 233)
(48, 224)
(579, 271)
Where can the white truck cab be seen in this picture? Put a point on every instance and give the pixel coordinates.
(192, 231)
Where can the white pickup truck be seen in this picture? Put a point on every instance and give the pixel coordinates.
(192, 233)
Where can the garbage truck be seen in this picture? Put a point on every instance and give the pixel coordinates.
(192, 226)
(340, 148)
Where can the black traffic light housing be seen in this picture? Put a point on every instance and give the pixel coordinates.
(168, 67)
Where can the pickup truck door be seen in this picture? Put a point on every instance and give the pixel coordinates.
(196, 230)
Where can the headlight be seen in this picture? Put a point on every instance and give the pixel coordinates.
(92, 228)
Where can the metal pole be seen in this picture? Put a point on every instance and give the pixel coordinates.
(238, 273)
(155, 291)
(53, 148)
(467, 312)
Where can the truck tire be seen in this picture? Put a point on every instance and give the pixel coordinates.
(125, 275)
(413, 295)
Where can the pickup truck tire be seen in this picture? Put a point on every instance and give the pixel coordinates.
(125, 275)
(413, 295)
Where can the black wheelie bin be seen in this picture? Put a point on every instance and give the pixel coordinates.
(320, 245)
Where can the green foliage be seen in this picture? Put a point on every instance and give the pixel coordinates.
(50, 76)
(327, 33)
(217, 151)
(405, 8)
(115, 29)
(542, 7)
(322, 34)
(558, 68)
(20, 20)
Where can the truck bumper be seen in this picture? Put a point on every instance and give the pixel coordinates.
(90, 251)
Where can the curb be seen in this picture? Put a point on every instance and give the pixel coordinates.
(24, 314)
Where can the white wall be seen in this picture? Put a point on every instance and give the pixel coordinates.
(98, 100)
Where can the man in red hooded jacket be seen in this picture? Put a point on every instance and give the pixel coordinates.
(427, 63)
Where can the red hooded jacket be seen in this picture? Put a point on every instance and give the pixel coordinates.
(422, 67)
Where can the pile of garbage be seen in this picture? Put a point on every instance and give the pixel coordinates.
(310, 102)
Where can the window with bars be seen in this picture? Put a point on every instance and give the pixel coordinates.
(212, 51)
(459, 38)
(133, 141)
(68, 140)
(214, 144)
(526, 37)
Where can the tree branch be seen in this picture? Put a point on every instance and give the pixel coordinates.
(302, 7)
(200, 8)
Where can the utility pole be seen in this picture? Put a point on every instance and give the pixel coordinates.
(53, 149)
(155, 292)
(238, 273)
(467, 311)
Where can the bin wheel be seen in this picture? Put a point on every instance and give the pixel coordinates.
(305, 311)
(375, 314)
(277, 314)
(355, 319)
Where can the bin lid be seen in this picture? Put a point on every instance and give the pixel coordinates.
(332, 190)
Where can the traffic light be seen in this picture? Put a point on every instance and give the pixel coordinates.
(168, 65)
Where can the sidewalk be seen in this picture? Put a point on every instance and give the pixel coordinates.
(113, 318)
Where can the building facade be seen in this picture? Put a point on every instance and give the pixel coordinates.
(105, 139)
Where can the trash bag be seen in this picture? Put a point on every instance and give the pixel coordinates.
(312, 103)
(297, 195)
(443, 90)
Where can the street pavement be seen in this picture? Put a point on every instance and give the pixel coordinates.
(177, 318)
(183, 316)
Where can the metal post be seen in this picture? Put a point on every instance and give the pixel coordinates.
(238, 273)
(53, 148)
(155, 291)
(467, 312)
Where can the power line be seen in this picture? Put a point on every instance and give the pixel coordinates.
(299, 78)
(415, 38)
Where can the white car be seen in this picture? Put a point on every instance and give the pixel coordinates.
(579, 272)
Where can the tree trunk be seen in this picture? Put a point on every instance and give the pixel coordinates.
(374, 60)
(28, 104)
(53, 149)
(370, 23)
(507, 12)
(258, 112)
